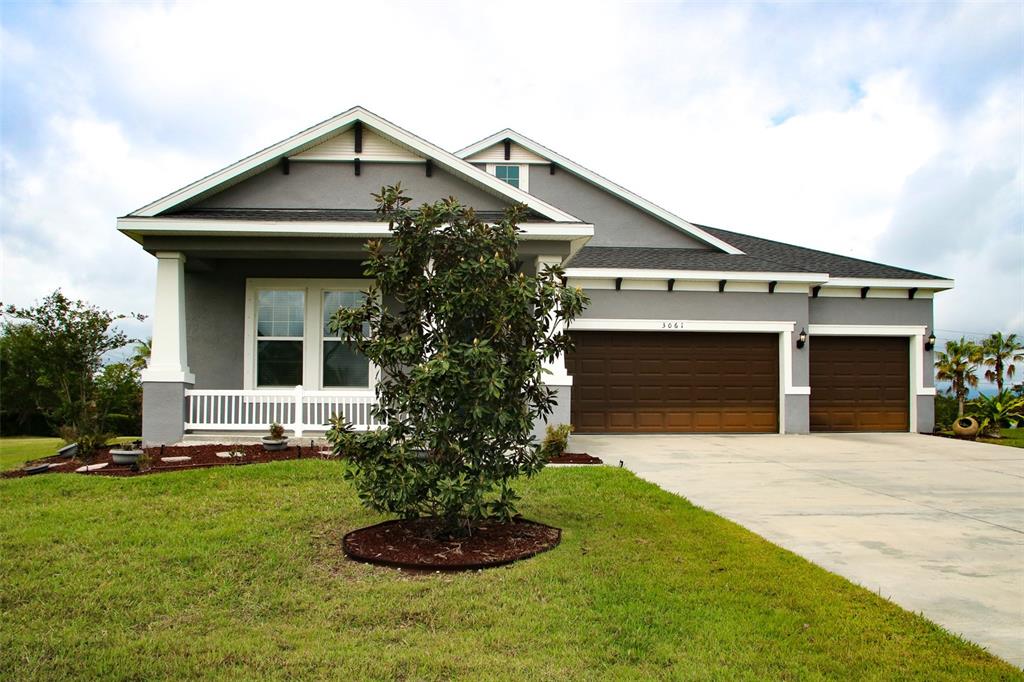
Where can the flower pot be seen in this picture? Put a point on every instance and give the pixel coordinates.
(966, 427)
(125, 456)
(274, 443)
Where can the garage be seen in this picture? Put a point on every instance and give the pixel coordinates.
(674, 382)
(859, 383)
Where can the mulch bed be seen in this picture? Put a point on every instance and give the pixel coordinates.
(203, 456)
(574, 458)
(413, 544)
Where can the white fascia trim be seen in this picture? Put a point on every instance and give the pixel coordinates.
(198, 227)
(602, 182)
(311, 136)
(866, 329)
(878, 283)
(716, 275)
(674, 325)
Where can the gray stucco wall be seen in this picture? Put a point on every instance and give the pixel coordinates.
(616, 223)
(163, 412)
(323, 184)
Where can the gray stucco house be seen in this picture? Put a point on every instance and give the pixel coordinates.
(691, 328)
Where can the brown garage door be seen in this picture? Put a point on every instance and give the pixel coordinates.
(674, 382)
(859, 383)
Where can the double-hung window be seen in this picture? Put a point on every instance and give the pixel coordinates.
(280, 333)
(288, 341)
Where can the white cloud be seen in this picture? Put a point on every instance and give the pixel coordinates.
(842, 128)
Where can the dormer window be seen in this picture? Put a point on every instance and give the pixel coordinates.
(509, 174)
(514, 174)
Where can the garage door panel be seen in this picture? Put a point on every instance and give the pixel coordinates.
(859, 383)
(676, 382)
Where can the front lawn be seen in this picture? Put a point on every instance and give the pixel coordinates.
(17, 450)
(236, 573)
(1011, 437)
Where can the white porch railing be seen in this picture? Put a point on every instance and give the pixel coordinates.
(296, 409)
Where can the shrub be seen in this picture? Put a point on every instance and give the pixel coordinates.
(556, 439)
(1004, 409)
(276, 431)
(461, 358)
(945, 412)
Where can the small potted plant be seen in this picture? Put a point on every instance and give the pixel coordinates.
(128, 453)
(276, 439)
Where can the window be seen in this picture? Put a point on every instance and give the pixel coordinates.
(288, 341)
(509, 174)
(343, 366)
(279, 333)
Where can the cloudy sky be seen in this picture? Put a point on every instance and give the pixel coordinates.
(890, 132)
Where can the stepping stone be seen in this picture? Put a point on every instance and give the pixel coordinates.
(224, 455)
(181, 458)
(90, 467)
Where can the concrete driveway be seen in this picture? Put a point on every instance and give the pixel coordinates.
(934, 524)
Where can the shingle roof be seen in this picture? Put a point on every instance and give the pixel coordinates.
(323, 214)
(813, 260)
(759, 255)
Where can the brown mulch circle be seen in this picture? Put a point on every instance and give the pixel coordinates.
(411, 543)
(203, 456)
(574, 458)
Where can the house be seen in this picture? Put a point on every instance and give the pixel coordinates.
(690, 329)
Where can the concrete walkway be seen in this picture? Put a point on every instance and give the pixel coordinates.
(936, 525)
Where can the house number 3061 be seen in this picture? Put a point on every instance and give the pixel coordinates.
(668, 324)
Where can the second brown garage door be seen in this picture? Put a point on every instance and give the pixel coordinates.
(674, 382)
(859, 383)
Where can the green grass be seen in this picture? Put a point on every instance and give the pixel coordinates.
(1014, 438)
(236, 573)
(15, 451)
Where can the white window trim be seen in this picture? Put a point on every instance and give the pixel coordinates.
(524, 173)
(915, 337)
(783, 328)
(313, 333)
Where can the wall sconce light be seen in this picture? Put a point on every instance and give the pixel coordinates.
(801, 340)
(929, 343)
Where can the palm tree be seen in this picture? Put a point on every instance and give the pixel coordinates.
(957, 365)
(999, 353)
(143, 349)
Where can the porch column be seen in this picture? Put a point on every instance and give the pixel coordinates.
(559, 379)
(167, 376)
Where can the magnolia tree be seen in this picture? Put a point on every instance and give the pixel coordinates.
(461, 346)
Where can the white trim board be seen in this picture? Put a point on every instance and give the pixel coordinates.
(266, 158)
(200, 227)
(675, 325)
(716, 275)
(602, 182)
(881, 283)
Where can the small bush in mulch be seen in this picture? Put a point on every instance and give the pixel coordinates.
(418, 544)
(202, 456)
(574, 458)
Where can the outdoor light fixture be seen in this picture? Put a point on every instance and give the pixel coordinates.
(929, 343)
(801, 340)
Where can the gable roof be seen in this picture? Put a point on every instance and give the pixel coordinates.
(311, 137)
(617, 190)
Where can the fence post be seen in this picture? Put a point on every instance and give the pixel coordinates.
(298, 424)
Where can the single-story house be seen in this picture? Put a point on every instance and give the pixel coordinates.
(690, 328)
